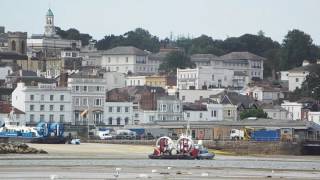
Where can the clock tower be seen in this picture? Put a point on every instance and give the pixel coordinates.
(49, 27)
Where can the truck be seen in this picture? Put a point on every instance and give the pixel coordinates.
(236, 134)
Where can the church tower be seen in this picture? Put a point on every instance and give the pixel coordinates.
(49, 27)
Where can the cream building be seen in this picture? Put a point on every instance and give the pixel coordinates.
(43, 103)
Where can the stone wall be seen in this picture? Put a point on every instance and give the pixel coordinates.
(255, 147)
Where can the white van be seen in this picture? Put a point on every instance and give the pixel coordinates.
(105, 135)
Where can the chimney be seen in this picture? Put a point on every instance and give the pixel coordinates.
(305, 63)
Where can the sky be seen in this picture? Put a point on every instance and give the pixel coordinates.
(216, 18)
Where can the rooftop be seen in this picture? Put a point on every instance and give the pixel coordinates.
(49, 12)
(201, 57)
(125, 50)
(7, 108)
(241, 56)
(309, 68)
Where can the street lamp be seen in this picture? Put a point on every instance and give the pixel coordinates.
(153, 91)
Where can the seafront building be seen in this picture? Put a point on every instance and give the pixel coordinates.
(88, 96)
(43, 103)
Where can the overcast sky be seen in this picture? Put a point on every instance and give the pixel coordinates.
(217, 18)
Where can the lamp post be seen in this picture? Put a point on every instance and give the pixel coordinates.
(153, 91)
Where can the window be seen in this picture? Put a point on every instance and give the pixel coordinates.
(98, 88)
(31, 97)
(98, 102)
(77, 88)
(31, 107)
(74, 54)
(126, 121)
(200, 115)
(212, 77)
(51, 107)
(77, 103)
(164, 107)
(183, 98)
(42, 117)
(214, 113)
(61, 118)
(126, 109)
(297, 79)
(127, 59)
(110, 109)
(118, 109)
(31, 117)
(85, 101)
(188, 114)
(118, 121)
(110, 121)
(51, 97)
(42, 97)
(229, 113)
(61, 97)
(61, 107)
(51, 118)
(85, 88)
(41, 107)
(109, 59)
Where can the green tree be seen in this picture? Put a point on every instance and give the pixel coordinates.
(310, 87)
(271, 65)
(139, 38)
(297, 46)
(258, 113)
(174, 60)
(73, 34)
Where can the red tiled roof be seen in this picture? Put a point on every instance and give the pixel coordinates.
(6, 109)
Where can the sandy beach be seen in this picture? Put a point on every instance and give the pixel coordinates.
(102, 161)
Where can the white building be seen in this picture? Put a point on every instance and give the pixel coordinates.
(169, 108)
(88, 98)
(276, 112)
(203, 59)
(90, 55)
(128, 59)
(135, 80)
(264, 93)
(4, 72)
(297, 76)
(187, 95)
(114, 80)
(44, 102)
(148, 116)
(204, 77)
(314, 117)
(203, 112)
(293, 108)
(118, 113)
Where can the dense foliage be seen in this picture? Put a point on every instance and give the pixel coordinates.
(139, 38)
(258, 113)
(296, 46)
(174, 60)
(74, 34)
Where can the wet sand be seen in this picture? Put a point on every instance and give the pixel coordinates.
(100, 161)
